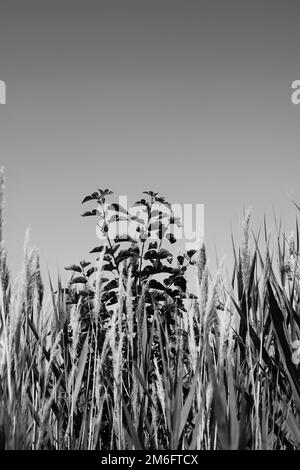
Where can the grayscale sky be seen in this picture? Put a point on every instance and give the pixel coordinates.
(188, 98)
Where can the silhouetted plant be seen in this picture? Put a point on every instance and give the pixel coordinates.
(140, 254)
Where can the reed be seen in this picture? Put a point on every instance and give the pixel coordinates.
(220, 373)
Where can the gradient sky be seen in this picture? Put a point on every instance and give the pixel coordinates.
(188, 98)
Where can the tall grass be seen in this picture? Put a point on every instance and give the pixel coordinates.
(225, 375)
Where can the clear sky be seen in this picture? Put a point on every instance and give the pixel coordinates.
(188, 98)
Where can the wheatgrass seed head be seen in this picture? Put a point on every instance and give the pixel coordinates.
(245, 248)
(201, 261)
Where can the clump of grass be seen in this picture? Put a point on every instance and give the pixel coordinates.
(223, 373)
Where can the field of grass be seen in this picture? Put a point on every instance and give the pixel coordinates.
(118, 360)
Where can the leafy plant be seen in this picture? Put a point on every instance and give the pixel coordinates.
(138, 252)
